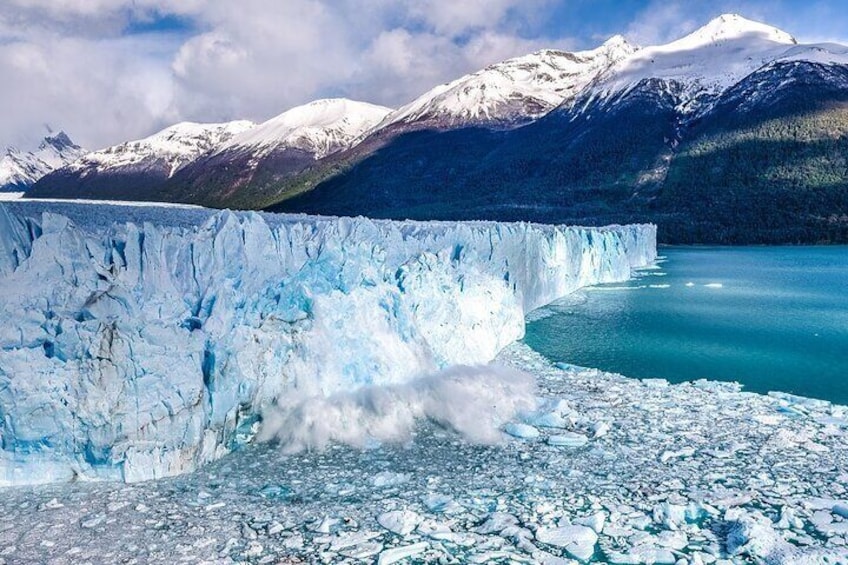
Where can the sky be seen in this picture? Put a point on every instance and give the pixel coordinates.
(106, 71)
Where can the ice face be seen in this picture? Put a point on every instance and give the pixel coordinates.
(141, 350)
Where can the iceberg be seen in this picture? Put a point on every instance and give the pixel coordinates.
(142, 344)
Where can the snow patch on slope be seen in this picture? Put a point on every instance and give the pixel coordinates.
(320, 127)
(141, 350)
(824, 53)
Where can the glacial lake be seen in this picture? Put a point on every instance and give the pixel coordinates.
(771, 318)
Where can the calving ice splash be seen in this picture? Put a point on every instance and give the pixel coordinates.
(143, 348)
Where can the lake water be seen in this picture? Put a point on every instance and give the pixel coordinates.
(771, 318)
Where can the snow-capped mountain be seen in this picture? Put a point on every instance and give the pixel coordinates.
(736, 110)
(136, 170)
(512, 92)
(184, 160)
(319, 128)
(21, 169)
(281, 148)
(168, 149)
(705, 62)
(732, 134)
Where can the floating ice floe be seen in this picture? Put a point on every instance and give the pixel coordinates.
(522, 431)
(656, 488)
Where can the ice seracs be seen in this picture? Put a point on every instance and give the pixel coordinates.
(21, 169)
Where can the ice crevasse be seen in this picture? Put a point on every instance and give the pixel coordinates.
(133, 351)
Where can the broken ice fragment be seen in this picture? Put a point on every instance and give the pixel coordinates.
(441, 503)
(577, 541)
(401, 522)
(397, 553)
(521, 431)
(568, 439)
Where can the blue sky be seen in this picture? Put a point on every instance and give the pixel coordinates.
(111, 70)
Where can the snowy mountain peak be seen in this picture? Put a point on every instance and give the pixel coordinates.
(705, 62)
(320, 127)
(732, 27)
(618, 43)
(514, 91)
(21, 169)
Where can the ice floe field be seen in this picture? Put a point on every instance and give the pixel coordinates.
(611, 469)
(518, 461)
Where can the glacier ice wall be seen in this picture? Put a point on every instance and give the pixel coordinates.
(140, 350)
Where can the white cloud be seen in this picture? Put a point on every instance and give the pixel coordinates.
(452, 18)
(74, 66)
(97, 90)
(661, 22)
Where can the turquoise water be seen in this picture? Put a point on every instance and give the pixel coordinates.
(778, 320)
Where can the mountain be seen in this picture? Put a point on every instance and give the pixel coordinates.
(21, 169)
(511, 93)
(705, 62)
(250, 167)
(136, 169)
(299, 148)
(733, 134)
(215, 163)
(498, 98)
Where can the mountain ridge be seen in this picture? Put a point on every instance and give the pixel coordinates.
(592, 136)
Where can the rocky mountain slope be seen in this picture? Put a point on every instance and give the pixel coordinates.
(136, 170)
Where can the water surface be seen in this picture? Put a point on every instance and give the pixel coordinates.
(772, 318)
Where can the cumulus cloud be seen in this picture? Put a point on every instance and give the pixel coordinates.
(473, 401)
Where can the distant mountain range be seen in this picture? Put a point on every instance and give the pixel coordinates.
(733, 134)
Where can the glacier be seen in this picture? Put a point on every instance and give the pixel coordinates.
(140, 343)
